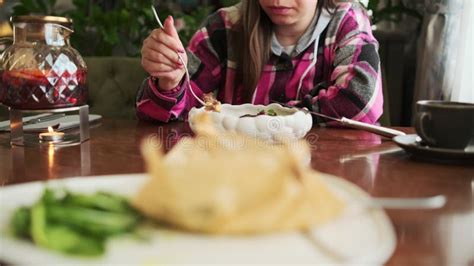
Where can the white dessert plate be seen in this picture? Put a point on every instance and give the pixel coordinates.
(288, 123)
(361, 235)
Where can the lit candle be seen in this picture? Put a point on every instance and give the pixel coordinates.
(51, 135)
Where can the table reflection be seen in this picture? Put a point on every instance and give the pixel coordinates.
(49, 162)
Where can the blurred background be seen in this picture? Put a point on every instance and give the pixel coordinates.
(117, 27)
(112, 27)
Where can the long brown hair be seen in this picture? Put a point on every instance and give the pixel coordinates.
(256, 33)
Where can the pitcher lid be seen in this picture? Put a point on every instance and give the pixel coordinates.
(42, 19)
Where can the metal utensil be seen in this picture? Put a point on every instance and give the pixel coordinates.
(434, 202)
(180, 58)
(45, 118)
(387, 203)
(379, 130)
(42, 119)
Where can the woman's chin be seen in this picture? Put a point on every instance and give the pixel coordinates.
(282, 21)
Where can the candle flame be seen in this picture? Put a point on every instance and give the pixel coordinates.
(50, 130)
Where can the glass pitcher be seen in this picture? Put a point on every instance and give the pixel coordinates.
(41, 70)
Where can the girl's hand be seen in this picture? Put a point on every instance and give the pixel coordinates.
(160, 58)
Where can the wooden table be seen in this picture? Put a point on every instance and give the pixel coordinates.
(377, 165)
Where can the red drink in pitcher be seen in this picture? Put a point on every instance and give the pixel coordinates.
(33, 89)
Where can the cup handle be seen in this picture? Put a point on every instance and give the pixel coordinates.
(420, 125)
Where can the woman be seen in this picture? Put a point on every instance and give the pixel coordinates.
(262, 52)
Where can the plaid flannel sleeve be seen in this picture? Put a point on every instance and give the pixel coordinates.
(354, 88)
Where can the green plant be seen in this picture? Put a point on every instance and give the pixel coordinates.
(391, 11)
(104, 28)
(229, 2)
(192, 21)
(117, 31)
(112, 27)
(99, 31)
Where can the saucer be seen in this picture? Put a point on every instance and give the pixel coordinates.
(411, 145)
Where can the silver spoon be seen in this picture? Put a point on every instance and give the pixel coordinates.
(434, 202)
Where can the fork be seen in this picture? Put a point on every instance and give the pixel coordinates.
(180, 59)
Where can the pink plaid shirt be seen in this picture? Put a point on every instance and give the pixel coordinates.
(343, 80)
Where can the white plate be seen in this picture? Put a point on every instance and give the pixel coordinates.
(360, 236)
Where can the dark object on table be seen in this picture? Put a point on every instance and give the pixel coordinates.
(443, 124)
(413, 144)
